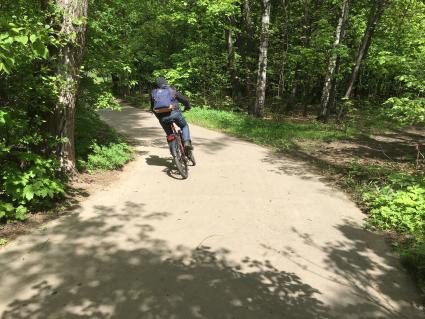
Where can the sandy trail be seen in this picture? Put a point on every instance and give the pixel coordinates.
(249, 235)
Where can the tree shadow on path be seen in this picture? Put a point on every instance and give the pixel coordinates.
(142, 277)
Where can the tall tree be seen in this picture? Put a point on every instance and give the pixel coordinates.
(378, 8)
(73, 27)
(262, 61)
(333, 64)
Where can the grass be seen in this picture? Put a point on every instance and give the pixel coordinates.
(281, 134)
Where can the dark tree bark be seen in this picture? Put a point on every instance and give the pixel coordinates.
(378, 8)
(262, 61)
(333, 66)
(69, 61)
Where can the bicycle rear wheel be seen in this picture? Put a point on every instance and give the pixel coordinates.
(180, 159)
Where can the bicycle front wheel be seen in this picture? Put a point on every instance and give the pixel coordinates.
(180, 159)
(191, 157)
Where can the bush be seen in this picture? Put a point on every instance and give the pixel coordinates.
(99, 147)
(399, 206)
(405, 110)
(29, 185)
(108, 157)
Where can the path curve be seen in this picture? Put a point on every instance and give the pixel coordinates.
(249, 235)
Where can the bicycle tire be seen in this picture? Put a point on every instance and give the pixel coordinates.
(191, 157)
(180, 159)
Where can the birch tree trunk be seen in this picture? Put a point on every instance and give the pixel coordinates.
(333, 68)
(262, 61)
(375, 14)
(69, 61)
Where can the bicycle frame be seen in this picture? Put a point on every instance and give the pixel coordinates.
(177, 132)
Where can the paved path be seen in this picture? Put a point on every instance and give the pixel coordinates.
(248, 236)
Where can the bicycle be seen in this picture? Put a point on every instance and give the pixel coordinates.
(182, 157)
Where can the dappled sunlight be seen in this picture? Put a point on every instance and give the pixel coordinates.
(100, 279)
(362, 266)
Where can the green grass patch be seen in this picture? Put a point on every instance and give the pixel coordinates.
(281, 134)
(98, 146)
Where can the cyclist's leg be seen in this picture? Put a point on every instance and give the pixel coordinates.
(166, 122)
(181, 122)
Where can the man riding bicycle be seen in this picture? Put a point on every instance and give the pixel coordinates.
(164, 104)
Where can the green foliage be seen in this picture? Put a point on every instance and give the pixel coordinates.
(29, 185)
(401, 209)
(395, 200)
(98, 146)
(28, 89)
(3, 241)
(406, 111)
(107, 157)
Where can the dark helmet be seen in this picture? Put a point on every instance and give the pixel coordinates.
(161, 82)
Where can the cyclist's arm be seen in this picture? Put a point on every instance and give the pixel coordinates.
(183, 100)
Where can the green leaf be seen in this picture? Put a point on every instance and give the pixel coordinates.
(33, 38)
(22, 39)
(21, 212)
(40, 49)
(3, 116)
(28, 192)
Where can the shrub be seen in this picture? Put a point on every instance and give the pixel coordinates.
(29, 185)
(98, 146)
(399, 206)
(108, 157)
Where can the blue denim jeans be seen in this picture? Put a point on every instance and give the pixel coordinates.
(175, 116)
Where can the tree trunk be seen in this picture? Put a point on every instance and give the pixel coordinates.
(333, 65)
(375, 14)
(292, 100)
(262, 61)
(69, 61)
(231, 62)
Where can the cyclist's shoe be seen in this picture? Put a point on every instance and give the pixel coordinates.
(188, 145)
(172, 146)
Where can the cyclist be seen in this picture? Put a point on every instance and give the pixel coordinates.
(164, 104)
